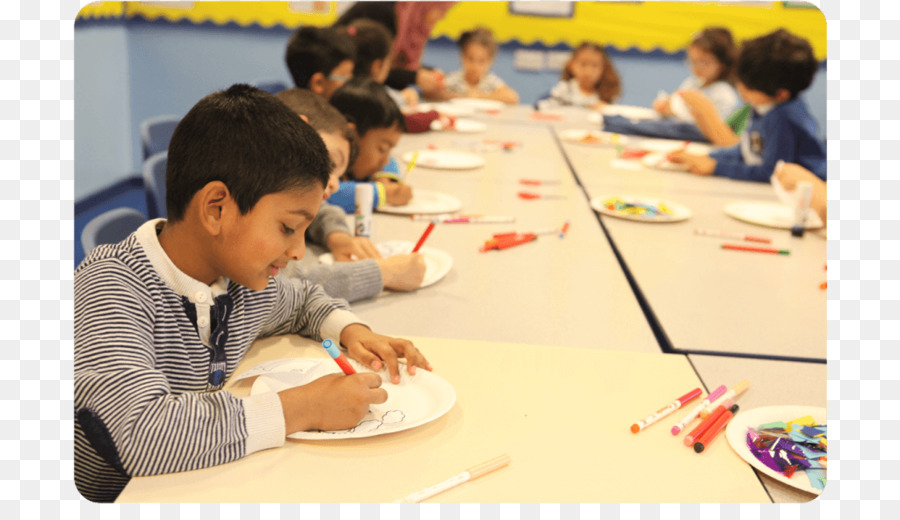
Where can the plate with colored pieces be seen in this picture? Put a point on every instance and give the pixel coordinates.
(736, 433)
(641, 209)
(484, 105)
(769, 214)
(593, 137)
(424, 202)
(437, 263)
(416, 400)
(445, 159)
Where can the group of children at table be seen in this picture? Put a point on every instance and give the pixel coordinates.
(163, 318)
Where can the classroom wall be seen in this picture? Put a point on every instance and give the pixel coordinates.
(127, 71)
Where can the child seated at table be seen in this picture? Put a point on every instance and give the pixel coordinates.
(359, 270)
(475, 80)
(712, 55)
(772, 70)
(320, 59)
(589, 80)
(379, 124)
(164, 317)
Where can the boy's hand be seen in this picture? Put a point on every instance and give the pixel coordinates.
(346, 248)
(375, 350)
(402, 272)
(696, 164)
(790, 174)
(397, 194)
(661, 105)
(410, 96)
(332, 402)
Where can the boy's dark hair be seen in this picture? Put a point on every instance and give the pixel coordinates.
(367, 104)
(316, 49)
(372, 41)
(718, 42)
(609, 86)
(322, 117)
(779, 60)
(247, 139)
(481, 36)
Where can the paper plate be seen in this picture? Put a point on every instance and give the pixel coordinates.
(736, 433)
(631, 112)
(679, 212)
(484, 105)
(424, 201)
(445, 159)
(593, 137)
(469, 126)
(415, 401)
(658, 161)
(437, 262)
(769, 214)
(446, 108)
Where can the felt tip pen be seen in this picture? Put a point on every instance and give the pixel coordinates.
(424, 236)
(479, 220)
(470, 474)
(689, 418)
(706, 423)
(337, 356)
(704, 440)
(737, 247)
(665, 410)
(732, 235)
(565, 229)
(735, 391)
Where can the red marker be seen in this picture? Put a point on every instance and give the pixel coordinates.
(706, 423)
(536, 182)
(506, 240)
(527, 195)
(756, 249)
(564, 230)
(424, 236)
(664, 411)
(707, 437)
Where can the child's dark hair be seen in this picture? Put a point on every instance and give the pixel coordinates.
(248, 140)
(367, 105)
(609, 86)
(372, 42)
(322, 117)
(718, 42)
(775, 61)
(481, 36)
(316, 49)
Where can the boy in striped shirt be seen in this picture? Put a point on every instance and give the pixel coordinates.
(163, 318)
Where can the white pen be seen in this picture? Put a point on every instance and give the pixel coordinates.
(731, 394)
(696, 411)
(470, 474)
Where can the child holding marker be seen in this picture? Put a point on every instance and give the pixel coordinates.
(369, 273)
(772, 71)
(379, 124)
(477, 51)
(320, 59)
(164, 317)
(589, 80)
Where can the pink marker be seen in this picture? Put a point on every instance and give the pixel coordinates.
(696, 411)
(664, 411)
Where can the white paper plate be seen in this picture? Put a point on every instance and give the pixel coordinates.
(484, 105)
(446, 108)
(769, 214)
(679, 212)
(424, 201)
(445, 159)
(437, 262)
(593, 137)
(469, 126)
(631, 112)
(415, 401)
(658, 161)
(736, 433)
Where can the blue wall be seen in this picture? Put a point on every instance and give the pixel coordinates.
(126, 72)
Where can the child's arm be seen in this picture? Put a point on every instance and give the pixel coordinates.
(332, 402)
(506, 95)
(790, 174)
(329, 220)
(708, 120)
(397, 193)
(780, 144)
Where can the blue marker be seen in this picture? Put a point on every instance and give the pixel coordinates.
(337, 356)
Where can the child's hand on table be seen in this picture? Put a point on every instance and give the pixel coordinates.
(347, 248)
(402, 272)
(376, 350)
(397, 194)
(696, 164)
(332, 402)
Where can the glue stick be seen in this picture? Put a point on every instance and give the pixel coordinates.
(365, 198)
(801, 210)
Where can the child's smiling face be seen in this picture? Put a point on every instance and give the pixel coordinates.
(375, 151)
(587, 68)
(253, 247)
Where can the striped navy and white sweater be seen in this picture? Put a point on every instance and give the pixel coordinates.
(153, 347)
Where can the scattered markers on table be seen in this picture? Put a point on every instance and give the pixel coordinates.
(731, 234)
(565, 229)
(470, 474)
(737, 247)
(536, 182)
(507, 240)
(701, 442)
(633, 208)
(800, 444)
(528, 195)
(424, 236)
(410, 166)
(665, 410)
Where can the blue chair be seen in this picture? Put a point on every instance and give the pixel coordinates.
(272, 86)
(154, 173)
(110, 227)
(156, 133)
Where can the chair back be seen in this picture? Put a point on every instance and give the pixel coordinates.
(154, 173)
(156, 133)
(110, 227)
